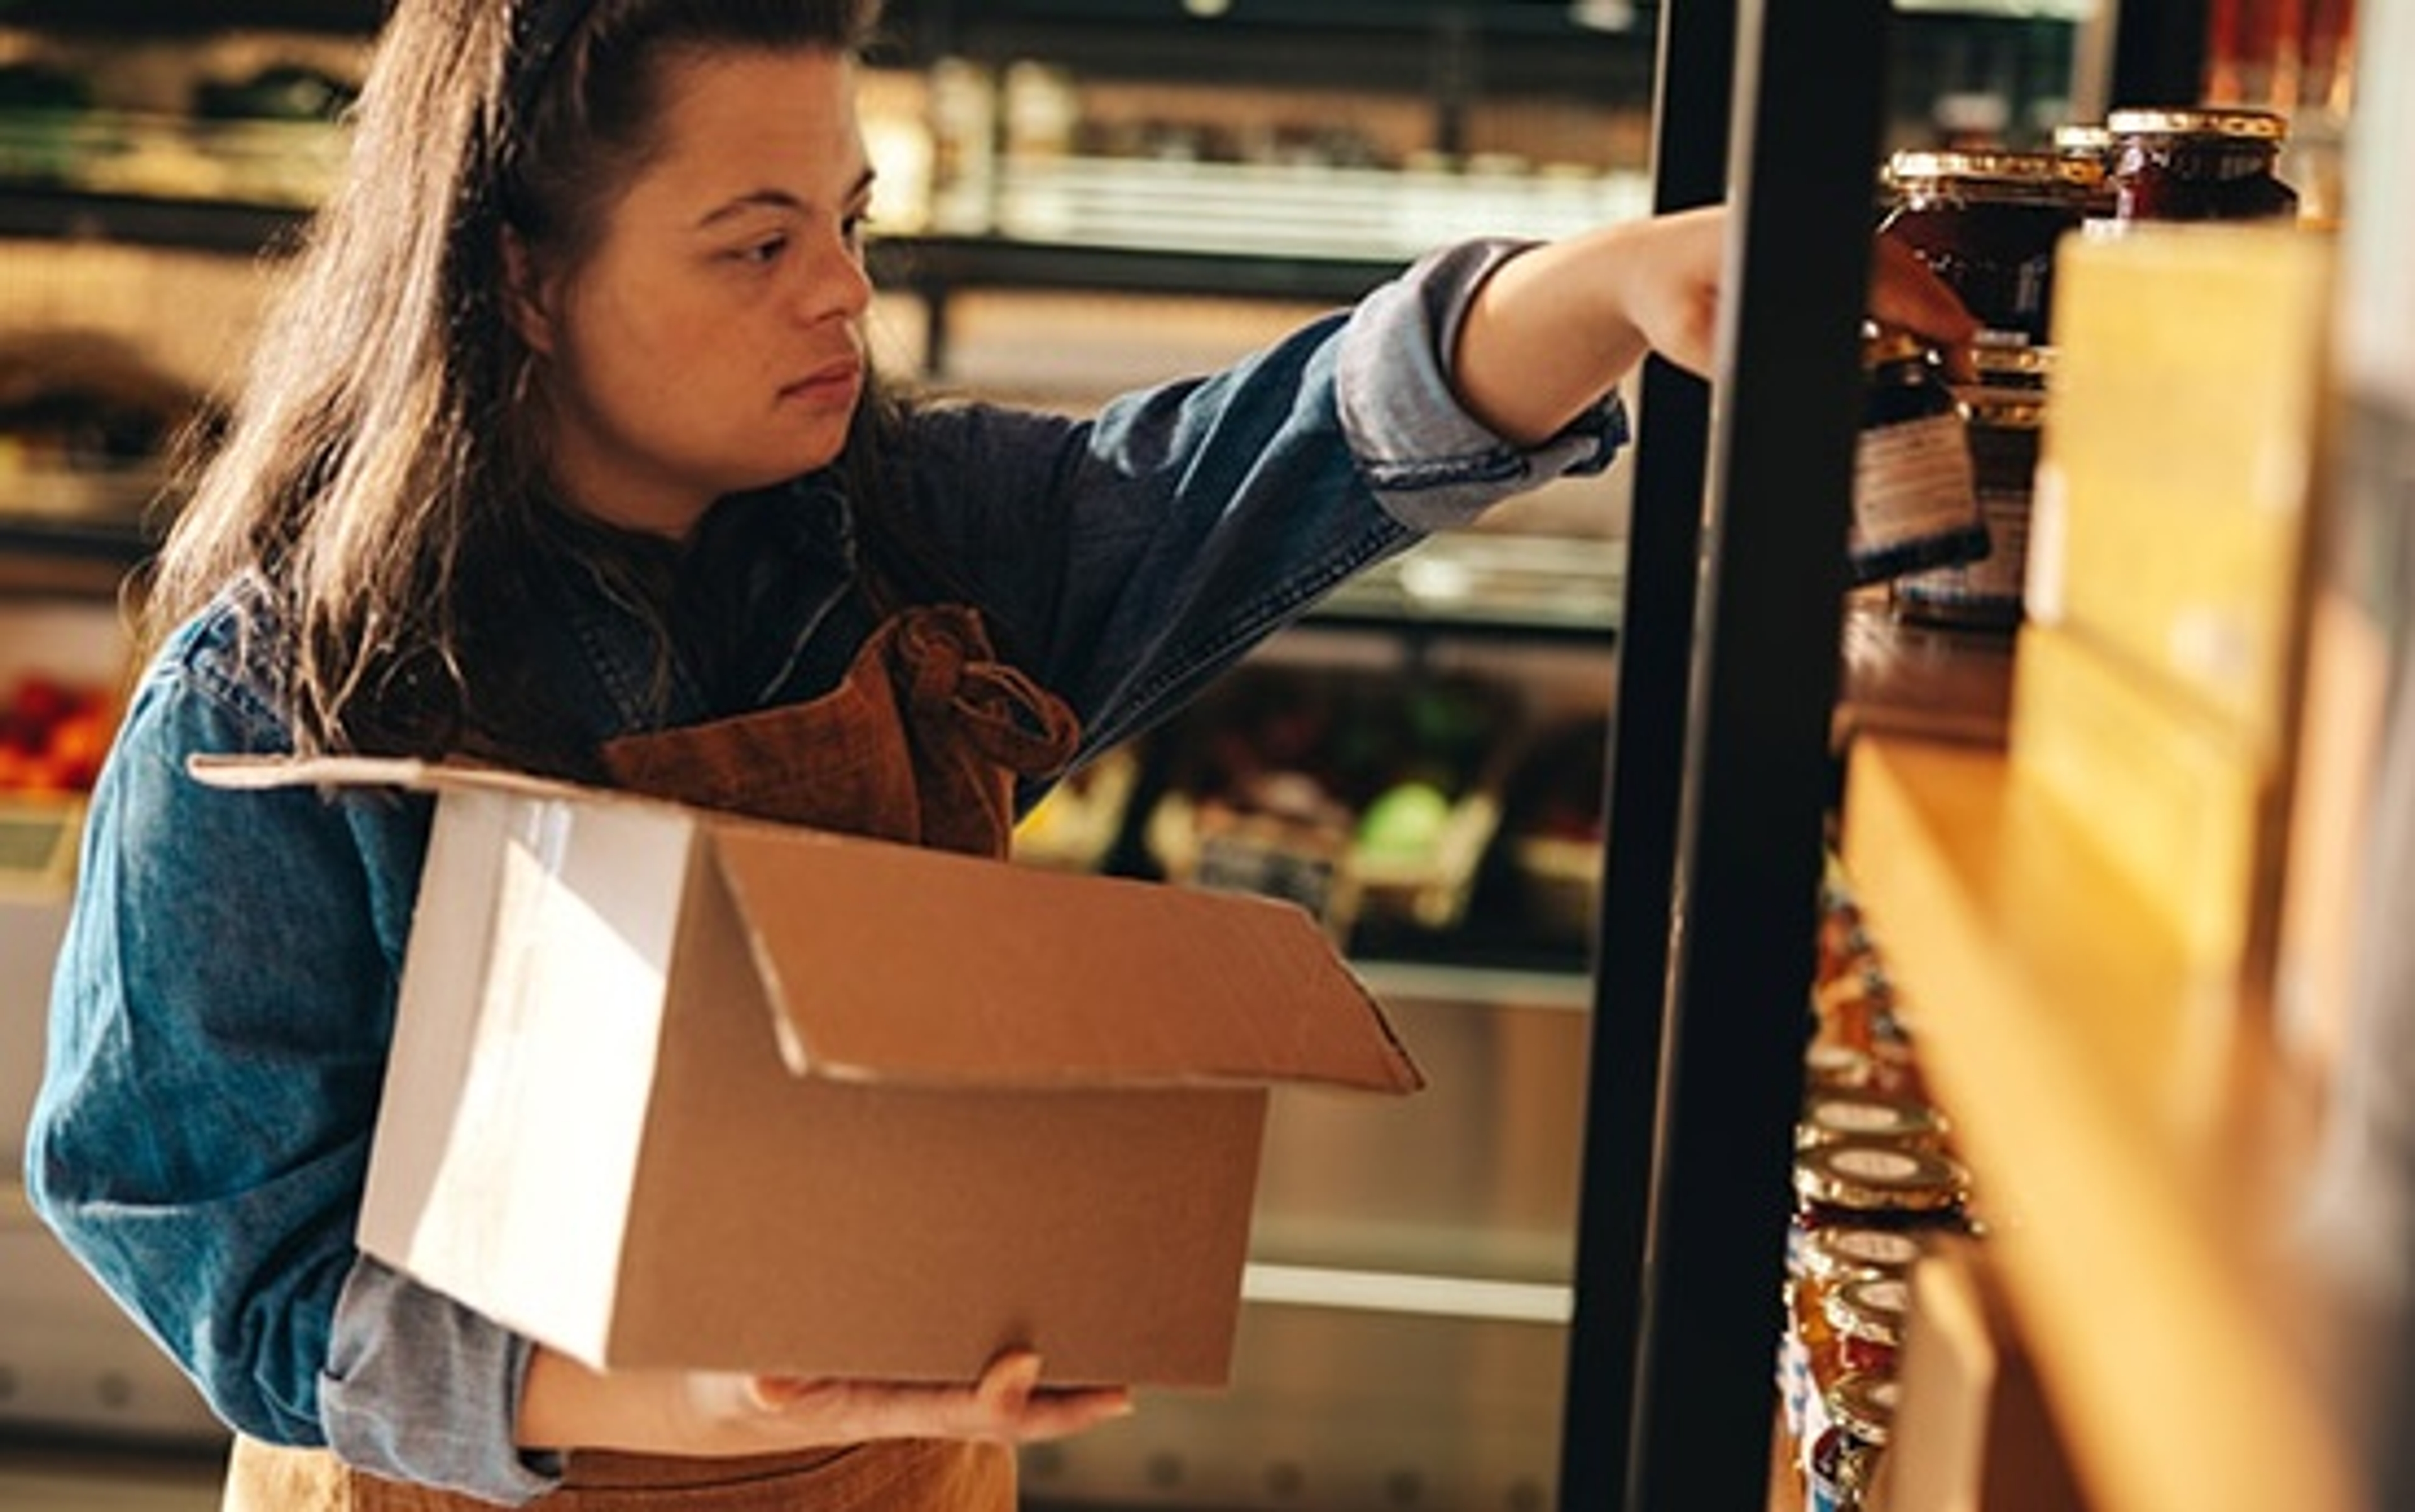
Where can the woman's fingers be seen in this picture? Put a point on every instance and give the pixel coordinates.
(1010, 1393)
(1007, 1404)
(1906, 294)
(1006, 1382)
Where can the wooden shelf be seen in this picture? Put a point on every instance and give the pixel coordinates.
(1927, 681)
(2137, 1145)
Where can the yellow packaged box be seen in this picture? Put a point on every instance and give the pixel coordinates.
(674, 1089)
(2180, 459)
(2177, 800)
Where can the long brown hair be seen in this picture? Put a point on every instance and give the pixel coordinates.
(381, 472)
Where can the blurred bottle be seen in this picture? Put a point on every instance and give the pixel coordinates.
(964, 147)
(2297, 57)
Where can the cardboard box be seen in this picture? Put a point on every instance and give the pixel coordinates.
(674, 1089)
(2178, 801)
(2181, 457)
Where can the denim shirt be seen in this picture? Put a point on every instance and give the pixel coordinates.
(224, 999)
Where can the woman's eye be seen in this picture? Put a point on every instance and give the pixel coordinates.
(763, 253)
(855, 228)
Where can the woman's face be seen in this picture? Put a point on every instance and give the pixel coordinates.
(712, 340)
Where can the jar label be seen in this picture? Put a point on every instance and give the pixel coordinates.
(1912, 481)
(1996, 580)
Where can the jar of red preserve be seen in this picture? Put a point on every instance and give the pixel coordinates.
(2198, 165)
(1986, 223)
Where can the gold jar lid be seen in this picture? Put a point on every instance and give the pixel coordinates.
(1870, 1307)
(1833, 1114)
(2157, 120)
(2009, 384)
(2003, 409)
(1871, 1177)
(2041, 171)
(2011, 360)
(2083, 139)
(1864, 1403)
(1829, 1065)
(1834, 1255)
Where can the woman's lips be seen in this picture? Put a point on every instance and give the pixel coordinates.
(827, 384)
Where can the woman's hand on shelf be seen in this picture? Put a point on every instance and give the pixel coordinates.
(1558, 326)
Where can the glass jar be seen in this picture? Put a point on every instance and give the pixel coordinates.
(1865, 1406)
(2198, 165)
(1839, 1473)
(1862, 1183)
(1844, 1460)
(2007, 408)
(1986, 223)
(1867, 1315)
(1915, 499)
(1820, 1263)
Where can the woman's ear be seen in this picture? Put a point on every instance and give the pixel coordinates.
(525, 302)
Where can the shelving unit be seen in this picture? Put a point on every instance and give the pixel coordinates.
(2143, 1147)
(2139, 1144)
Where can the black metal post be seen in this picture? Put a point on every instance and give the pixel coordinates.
(2159, 52)
(1656, 640)
(1805, 144)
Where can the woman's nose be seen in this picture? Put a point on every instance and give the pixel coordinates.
(837, 282)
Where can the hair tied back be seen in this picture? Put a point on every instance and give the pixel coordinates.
(545, 28)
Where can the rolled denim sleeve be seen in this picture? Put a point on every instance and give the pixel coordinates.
(1137, 554)
(423, 1389)
(1433, 465)
(219, 1021)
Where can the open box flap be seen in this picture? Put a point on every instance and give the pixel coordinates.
(261, 773)
(897, 964)
(894, 963)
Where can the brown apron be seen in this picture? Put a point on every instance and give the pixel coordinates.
(921, 743)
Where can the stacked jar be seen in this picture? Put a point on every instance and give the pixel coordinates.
(2005, 403)
(1915, 499)
(1876, 1185)
(1987, 223)
(2198, 164)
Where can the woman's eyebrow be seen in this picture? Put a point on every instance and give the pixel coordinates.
(772, 199)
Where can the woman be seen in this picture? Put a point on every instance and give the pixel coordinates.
(562, 450)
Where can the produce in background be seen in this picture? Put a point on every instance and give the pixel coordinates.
(53, 733)
(1553, 830)
(1349, 794)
